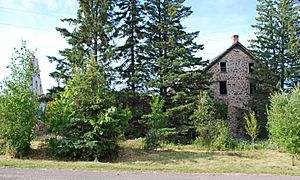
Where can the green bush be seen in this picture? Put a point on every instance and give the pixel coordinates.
(223, 140)
(251, 127)
(18, 105)
(284, 121)
(86, 123)
(156, 122)
(207, 119)
(100, 143)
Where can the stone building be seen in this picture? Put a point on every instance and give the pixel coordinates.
(231, 71)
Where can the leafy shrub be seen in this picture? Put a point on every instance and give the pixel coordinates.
(284, 121)
(251, 127)
(18, 105)
(223, 140)
(203, 119)
(209, 124)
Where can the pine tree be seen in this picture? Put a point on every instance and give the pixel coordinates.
(171, 52)
(276, 48)
(90, 38)
(133, 67)
(277, 40)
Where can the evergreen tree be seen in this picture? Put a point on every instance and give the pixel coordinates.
(90, 38)
(171, 55)
(90, 126)
(276, 48)
(277, 40)
(133, 67)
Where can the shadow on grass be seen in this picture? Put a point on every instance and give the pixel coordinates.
(40, 151)
(162, 156)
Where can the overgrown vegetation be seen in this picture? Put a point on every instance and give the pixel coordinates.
(163, 90)
(212, 130)
(157, 122)
(284, 121)
(89, 127)
(18, 104)
(252, 128)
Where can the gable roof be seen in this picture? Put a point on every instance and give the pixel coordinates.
(220, 56)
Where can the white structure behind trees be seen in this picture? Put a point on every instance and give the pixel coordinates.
(36, 80)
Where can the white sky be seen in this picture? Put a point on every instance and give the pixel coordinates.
(35, 22)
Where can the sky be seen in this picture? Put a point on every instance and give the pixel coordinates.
(35, 21)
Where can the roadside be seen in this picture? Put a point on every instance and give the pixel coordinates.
(47, 174)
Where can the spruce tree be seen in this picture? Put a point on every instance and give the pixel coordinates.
(277, 40)
(90, 37)
(171, 52)
(276, 48)
(133, 67)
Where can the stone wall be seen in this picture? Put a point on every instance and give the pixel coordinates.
(238, 86)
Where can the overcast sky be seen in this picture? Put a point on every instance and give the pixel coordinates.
(35, 22)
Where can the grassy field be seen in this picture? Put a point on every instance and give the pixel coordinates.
(187, 159)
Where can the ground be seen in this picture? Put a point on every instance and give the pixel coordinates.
(170, 158)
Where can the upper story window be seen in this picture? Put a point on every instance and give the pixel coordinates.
(251, 67)
(223, 87)
(223, 66)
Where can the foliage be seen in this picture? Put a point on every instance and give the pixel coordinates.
(156, 122)
(90, 37)
(277, 39)
(89, 126)
(251, 127)
(18, 105)
(223, 139)
(133, 68)
(284, 121)
(265, 82)
(175, 70)
(139, 105)
(211, 131)
(276, 48)
(99, 143)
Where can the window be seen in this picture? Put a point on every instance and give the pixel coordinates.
(251, 67)
(223, 87)
(223, 66)
(252, 88)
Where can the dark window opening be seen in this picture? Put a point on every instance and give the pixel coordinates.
(251, 67)
(223, 66)
(252, 88)
(223, 87)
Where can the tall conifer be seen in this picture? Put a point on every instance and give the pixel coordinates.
(90, 37)
(171, 51)
(277, 41)
(276, 48)
(133, 67)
